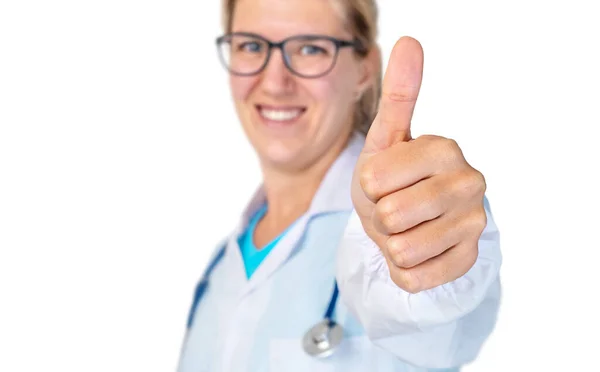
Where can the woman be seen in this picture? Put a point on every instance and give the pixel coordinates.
(349, 200)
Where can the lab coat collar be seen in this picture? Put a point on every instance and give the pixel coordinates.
(333, 195)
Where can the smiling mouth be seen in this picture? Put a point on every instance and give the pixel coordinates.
(280, 114)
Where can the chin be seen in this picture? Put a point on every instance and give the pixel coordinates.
(286, 138)
(283, 154)
(285, 144)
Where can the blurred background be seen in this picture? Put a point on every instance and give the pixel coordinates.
(122, 164)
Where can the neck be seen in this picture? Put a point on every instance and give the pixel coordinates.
(290, 193)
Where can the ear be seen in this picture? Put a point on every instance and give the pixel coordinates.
(370, 70)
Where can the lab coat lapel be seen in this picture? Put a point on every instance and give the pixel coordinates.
(233, 257)
(333, 195)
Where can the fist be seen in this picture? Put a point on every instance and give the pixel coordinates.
(417, 199)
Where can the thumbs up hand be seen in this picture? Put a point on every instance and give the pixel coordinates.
(417, 199)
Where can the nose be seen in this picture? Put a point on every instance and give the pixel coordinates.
(276, 79)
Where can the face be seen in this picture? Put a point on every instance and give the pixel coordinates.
(291, 121)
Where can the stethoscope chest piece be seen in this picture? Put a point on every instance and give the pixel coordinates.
(322, 339)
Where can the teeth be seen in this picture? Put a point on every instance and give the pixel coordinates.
(280, 115)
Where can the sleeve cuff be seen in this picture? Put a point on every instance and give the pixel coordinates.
(384, 308)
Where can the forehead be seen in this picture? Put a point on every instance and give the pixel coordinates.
(278, 19)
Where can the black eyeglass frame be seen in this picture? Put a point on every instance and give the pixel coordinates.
(339, 43)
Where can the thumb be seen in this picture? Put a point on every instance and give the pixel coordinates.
(401, 85)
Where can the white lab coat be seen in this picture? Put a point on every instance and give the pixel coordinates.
(258, 324)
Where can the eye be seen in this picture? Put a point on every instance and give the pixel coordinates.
(310, 49)
(249, 46)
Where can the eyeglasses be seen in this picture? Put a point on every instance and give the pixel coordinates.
(307, 56)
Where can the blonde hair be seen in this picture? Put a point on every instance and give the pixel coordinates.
(361, 17)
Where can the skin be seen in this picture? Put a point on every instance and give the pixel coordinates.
(418, 199)
(295, 160)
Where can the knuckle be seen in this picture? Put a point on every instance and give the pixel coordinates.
(369, 181)
(471, 257)
(429, 142)
(479, 185)
(482, 182)
(410, 281)
(469, 183)
(401, 251)
(445, 149)
(451, 145)
(431, 139)
(479, 221)
(473, 223)
(451, 150)
(387, 214)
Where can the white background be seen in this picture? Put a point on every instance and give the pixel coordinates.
(122, 164)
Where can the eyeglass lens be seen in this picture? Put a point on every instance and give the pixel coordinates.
(306, 56)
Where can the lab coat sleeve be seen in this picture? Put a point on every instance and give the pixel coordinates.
(443, 327)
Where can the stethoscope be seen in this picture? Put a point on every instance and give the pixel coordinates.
(319, 341)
